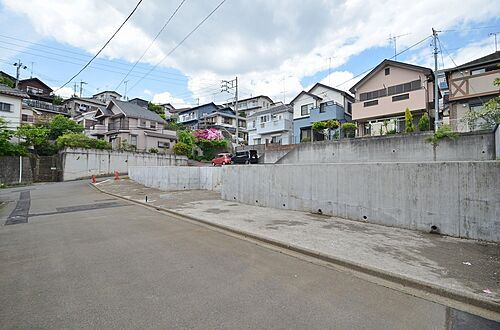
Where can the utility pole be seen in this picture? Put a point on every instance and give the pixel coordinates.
(19, 66)
(394, 40)
(226, 85)
(125, 94)
(75, 86)
(436, 91)
(81, 86)
(32, 65)
(495, 34)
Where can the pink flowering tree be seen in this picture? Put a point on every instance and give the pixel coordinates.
(210, 134)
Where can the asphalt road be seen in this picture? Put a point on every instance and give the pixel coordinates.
(71, 257)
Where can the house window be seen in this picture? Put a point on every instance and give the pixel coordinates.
(263, 119)
(305, 109)
(370, 103)
(387, 71)
(5, 107)
(27, 118)
(152, 124)
(164, 145)
(322, 107)
(400, 97)
(477, 71)
(143, 123)
(349, 107)
(404, 88)
(34, 90)
(133, 140)
(305, 134)
(228, 121)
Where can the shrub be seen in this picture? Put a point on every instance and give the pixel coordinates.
(442, 132)
(76, 140)
(181, 148)
(332, 124)
(153, 150)
(60, 125)
(125, 146)
(185, 137)
(349, 129)
(319, 125)
(410, 128)
(211, 148)
(424, 123)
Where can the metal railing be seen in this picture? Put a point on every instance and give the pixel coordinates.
(45, 106)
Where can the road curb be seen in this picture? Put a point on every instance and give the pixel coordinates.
(382, 274)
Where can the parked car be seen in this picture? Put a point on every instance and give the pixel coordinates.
(245, 157)
(222, 159)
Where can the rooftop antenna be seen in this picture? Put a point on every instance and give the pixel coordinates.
(394, 39)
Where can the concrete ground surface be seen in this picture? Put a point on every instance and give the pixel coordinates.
(462, 265)
(71, 257)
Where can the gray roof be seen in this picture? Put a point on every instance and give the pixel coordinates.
(6, 90)
(135, 111)
(276, 109)
(161, 135)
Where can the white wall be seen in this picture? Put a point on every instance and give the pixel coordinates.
(83, 163)
(13, 118)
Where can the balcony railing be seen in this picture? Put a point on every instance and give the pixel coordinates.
(45, 106)
(118, 126)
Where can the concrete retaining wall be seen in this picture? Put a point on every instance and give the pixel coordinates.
(177, 178)
(10, 167)
(461, 198)
(395, 148)
(83, 163)
(497, 142)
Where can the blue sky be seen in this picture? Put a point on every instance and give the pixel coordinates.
(280, 55)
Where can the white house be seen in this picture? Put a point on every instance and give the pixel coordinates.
(10, 105)
(272, 125)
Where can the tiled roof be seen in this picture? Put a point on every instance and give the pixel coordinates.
(135, 111)
(6, 90)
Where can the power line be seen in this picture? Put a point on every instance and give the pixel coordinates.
(180, 43)
(104, 46)
(151, 43)
(470, 29)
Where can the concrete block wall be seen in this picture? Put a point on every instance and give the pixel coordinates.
(471, 146)
(83, 163)
(177, 177)
(10, 166)
(461, 199)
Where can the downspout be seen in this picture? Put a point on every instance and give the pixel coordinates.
(20, 169)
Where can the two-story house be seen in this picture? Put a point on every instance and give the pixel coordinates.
(383, 95)
(79, 105)
(107, 96)
(40, 105)
(272, 125)
(10, 106)
(470, 86)
(251, 105)
(319, 103)
(127, 123)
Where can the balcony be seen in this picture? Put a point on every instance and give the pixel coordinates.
(273, 126)
(97, 129)
(121, 126)
(464, 87)
(329, 111)
(45, 106)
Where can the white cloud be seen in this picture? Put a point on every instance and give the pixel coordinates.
(166, 97)
(65, 92)
(148, 92)
(260, 41)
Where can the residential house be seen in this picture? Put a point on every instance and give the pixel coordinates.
(319, 103)
(140, 102)
(107, 96)
(123, 123)
(78, 105)
(471, 85)
(190, 117)
(87, 120)
(10, 105)
(271, 125)
(251, 105)
(383, 95)
(40, 105)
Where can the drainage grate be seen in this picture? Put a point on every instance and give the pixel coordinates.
(79, 208)
(20, 212)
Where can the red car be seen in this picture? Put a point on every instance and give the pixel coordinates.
(222, 159)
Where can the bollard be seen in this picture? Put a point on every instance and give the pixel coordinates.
(93, 179)
(116, 175)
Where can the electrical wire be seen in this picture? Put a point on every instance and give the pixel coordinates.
(104, 46)
(180, 43)
(151, 43)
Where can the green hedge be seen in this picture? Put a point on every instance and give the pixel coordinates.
(76, 140)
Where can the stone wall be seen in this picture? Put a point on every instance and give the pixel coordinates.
(10, 167)
(177, 178)
(83, 163)
(460, 199)
(395, 148)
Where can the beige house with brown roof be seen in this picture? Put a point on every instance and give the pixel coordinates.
(385, 93)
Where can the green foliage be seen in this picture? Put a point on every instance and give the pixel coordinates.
(211, 148)
(173, 125)
(336, 135)
(153, 150)
(185, 137)
(181, 148)
(424, 123)
(57, 100)
(349, 129)
(34, 136)
(319, 125)
(242, 114)
(441, 133)
(6, 81)
(410, 128)
(487, 117)
(60, 125)
(8, 148)
(78, 140)
(156, 108)
(125, 146)
(332, 124)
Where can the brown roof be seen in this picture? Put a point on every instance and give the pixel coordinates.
(6, 90)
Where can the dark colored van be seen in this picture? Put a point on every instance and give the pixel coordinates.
(245, 157)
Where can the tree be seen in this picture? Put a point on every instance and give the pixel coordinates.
(61, 125)
(349, 129)
(6, 81)
(424, 123)
(410, 128)
(7, 148)
(78, 140)
(156, 108)
(33, 136)
(488, 116)
(57, 100)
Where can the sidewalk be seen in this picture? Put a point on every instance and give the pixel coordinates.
(459, 265)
